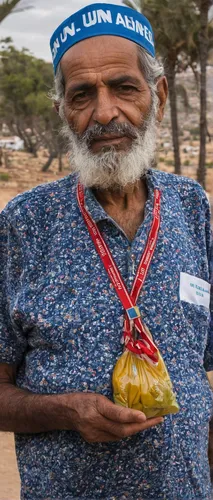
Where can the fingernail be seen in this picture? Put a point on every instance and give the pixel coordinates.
(142, 417)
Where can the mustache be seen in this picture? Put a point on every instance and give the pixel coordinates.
(119, 129)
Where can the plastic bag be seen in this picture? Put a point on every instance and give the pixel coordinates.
(142, 385)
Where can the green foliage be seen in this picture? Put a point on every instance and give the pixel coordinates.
(176, 27)
(8, 6)
(24, 103)
(186, 163)
(174, 24)
(4, 177)
(24, 82)
(183, 37)
(194, 131)
(169, 163)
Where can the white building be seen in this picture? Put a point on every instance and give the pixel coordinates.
(12, 143)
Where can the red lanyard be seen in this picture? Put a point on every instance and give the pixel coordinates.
(144, 346)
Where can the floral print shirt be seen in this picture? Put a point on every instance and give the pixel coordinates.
(61, 323)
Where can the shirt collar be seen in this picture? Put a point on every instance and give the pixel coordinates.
(96, 211)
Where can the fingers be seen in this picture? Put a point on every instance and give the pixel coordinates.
(97, 419)
(125, 430)
(115, 432)
(120, 414)
(152, 422)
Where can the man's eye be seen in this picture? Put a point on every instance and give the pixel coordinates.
(79, 97)
(126, 88)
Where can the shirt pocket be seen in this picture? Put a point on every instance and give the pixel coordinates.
(194, 302)
(195, 324)
(194, 290)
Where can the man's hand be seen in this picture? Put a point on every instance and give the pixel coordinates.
(94, 416)
(97, 419)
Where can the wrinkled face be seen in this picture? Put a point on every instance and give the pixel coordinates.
(103, 85)
(109, 112)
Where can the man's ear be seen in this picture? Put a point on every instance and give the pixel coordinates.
(56, 105)
(162, 93)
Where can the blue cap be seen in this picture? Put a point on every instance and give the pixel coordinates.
(101, 19)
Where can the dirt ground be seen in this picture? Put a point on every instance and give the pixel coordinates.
(24, 172)
(9, 477)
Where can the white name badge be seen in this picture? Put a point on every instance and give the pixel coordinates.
(194, 290)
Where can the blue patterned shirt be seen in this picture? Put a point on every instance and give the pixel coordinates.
(61, 323)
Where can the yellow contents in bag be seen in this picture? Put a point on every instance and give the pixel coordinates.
(142, 385)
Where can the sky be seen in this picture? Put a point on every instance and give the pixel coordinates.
(33, 28)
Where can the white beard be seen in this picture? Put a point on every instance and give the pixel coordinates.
(113, 169)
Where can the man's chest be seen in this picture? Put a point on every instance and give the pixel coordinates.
(71, 295)
(73, 318)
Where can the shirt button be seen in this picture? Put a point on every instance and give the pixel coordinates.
(133, 263)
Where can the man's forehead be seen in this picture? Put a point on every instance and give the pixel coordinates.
(109, 51)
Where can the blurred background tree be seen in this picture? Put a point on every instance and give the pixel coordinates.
(9, 6)
(182, 34)
(203, 45)
(183, 38)
(24, 106)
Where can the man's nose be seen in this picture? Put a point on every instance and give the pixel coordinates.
(105, 107)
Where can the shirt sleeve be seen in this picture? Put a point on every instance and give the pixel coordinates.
(208, 358)
(12, 339)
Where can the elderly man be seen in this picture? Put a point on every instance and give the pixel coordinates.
(61, 319)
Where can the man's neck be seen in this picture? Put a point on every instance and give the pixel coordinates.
(126, 206)
(123, 199)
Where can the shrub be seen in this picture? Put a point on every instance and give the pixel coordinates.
(4, 176)
(194, 131)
